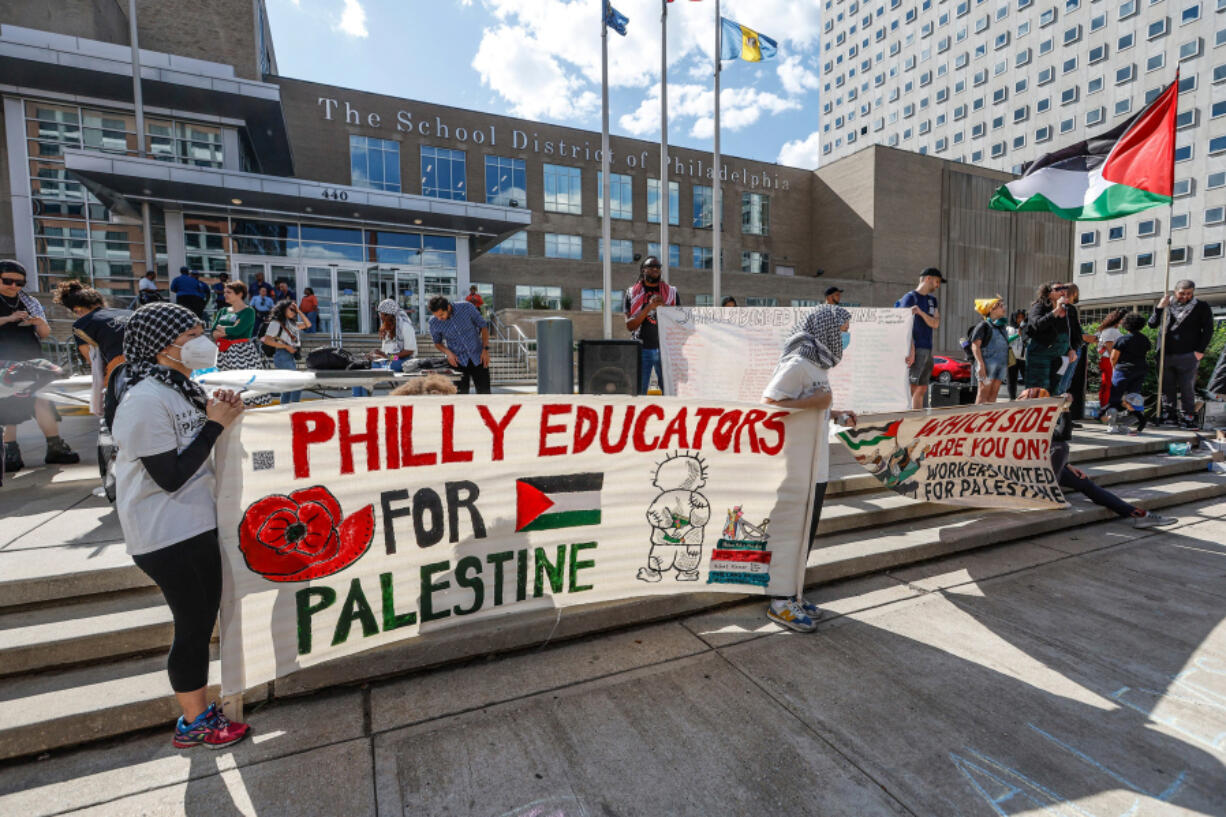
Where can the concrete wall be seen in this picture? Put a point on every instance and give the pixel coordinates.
(105, 20)
(215, 30)
(841, 225)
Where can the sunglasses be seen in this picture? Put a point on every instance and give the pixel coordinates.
(652, 266)
(1059, 289)
(13, 282)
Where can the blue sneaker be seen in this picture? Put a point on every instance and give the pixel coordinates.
(812, 610)
(790, 614)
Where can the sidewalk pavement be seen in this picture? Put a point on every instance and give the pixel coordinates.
(1080, 674)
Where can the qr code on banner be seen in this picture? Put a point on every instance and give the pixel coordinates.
(262, 461)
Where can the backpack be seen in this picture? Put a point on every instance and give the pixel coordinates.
(334, 358)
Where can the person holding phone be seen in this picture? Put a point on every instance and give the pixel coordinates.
(1049, 345)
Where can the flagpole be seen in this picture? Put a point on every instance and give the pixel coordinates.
(717, 206)
(605, 224)
(1166, 289)
(664, 187)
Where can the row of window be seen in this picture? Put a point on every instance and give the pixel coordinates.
(1150, 227)
(1153, 30)
(1145, 260)
(570, 247)
(375, 163)
(1125, 74)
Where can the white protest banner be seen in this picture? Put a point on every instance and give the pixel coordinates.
(729, 354)
(981, 456)
(347, 525)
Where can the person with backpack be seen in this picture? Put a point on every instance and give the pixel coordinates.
(923, 305)
(283, 339)
(990, 346)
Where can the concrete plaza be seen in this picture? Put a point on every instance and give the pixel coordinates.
(1081, 673)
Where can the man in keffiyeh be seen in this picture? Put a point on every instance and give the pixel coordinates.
(1189, 328)
(800, 381)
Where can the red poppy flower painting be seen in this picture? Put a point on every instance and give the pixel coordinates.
(303, 536)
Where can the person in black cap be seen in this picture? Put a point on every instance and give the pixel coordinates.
(833, 295)
(923, 305)
(186, 289)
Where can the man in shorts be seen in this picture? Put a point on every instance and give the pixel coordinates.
(923, 305)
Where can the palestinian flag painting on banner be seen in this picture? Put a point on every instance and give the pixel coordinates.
(863, 436)
(565, 501)
(1128, 169)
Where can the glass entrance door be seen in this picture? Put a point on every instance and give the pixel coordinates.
(404, 286)
(339, 293)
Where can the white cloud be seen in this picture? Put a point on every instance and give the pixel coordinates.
(530, 79)
(739, 108)
(353, 19)
(795, 77)
(543, 58)
(801, 152)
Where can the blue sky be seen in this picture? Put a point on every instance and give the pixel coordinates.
(540, 59)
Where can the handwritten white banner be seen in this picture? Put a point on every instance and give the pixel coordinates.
(346, 525)
(729, 354)
(981, 456)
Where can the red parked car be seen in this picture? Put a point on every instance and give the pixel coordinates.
(947, 370)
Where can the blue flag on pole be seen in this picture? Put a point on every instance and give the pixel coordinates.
(614, 19)
(743, 43)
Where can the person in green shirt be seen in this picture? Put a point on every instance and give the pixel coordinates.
(234, 330)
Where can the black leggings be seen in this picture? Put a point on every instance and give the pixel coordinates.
(189, 575)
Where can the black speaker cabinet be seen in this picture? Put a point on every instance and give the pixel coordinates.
(608, 367)
(950, 394)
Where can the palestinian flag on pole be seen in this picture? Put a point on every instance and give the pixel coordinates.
(565, 501)
(1123, 171)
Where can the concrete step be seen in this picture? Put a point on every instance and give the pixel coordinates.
(869, 551)
(100, 627)
(52, 709)
(860, 511)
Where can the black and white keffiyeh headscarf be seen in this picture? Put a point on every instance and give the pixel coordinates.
(151, 329)
(388, 306)
(818, 337)
(1179, 312)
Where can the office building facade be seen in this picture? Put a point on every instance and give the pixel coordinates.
(998, 83)
(363, 196)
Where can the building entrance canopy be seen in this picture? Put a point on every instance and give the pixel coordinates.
(118, 181)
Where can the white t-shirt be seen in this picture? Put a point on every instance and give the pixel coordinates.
(405, 340)
(153, 418)
(287, 335)
(1108, 336)
(796, 378)
(146, 284)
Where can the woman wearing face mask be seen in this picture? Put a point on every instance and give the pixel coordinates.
(23, 325)
(800, 381)
(164, 431)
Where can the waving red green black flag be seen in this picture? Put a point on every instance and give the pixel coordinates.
(1123, 171)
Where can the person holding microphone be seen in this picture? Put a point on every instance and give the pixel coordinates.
(640, 305)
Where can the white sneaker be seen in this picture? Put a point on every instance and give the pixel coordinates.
(1153, 520)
